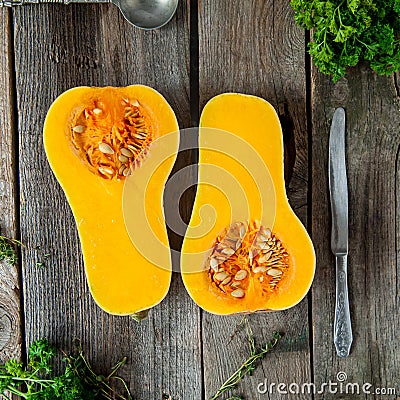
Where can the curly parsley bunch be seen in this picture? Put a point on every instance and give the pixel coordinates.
(347, 31)
(36, 380)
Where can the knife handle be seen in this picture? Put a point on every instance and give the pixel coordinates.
(343, 335)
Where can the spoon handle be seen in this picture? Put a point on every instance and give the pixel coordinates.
(11, 3)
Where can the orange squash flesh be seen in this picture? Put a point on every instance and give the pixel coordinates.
(121, 278)
(241, 196)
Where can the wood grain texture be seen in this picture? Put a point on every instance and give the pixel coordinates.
(10, 313)
(372, 105)
(254, 47)
(58, 47)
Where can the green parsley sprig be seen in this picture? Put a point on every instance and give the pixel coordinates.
(7, 249)
(348, 31)
(37, 382)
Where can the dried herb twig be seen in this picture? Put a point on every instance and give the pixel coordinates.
(248, 366)
(98, 383)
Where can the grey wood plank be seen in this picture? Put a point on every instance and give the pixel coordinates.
(10, 312)
(373, 119)
(58, 47)
(254, 47)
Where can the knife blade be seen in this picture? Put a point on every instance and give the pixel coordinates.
(343, 336)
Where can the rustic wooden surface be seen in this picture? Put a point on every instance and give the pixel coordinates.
(208, 48)
(261, 53)
(10, 301)
(57, 302)
(373, 120)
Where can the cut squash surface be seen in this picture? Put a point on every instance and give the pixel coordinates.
(96, 139)
(245, 250)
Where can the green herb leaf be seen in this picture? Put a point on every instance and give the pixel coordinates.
(348, 31)
(7, 249)
(78, 382)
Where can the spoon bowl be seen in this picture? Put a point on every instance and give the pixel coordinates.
(147, 14)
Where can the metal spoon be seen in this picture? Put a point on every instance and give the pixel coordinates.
(147, 14)
(144, 14)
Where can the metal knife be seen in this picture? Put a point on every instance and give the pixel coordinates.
(343, 335)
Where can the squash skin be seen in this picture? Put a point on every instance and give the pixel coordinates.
(121, 279)
(255, 121)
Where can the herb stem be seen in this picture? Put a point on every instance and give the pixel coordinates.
(125, 387)
(35, 380)
(116, 368)
(247, 366)
(15, 391)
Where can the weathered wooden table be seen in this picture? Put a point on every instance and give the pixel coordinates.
(208, 48)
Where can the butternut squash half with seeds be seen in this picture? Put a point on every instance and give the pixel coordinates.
(244, 250)
(94, 139)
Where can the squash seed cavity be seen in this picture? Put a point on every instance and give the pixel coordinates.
(247, 255)
(111, 140)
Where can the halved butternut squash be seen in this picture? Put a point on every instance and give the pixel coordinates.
(96, 140)
(245, 250)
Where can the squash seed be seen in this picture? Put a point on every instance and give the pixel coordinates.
(106, 148)
(121, 170)
(232, 235)
(214, 263)
(235, 284)
(267, 232)
(256, 270)
(106, 171)
(220, 276)
(274, 272)
(78, 128)
(126, 152)
(240, 275)
(228, 251)
(123, 159)
(97, 111)
(238, 293)
(264, 259)
(126, 172)
(261, 245)
(226, 280)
